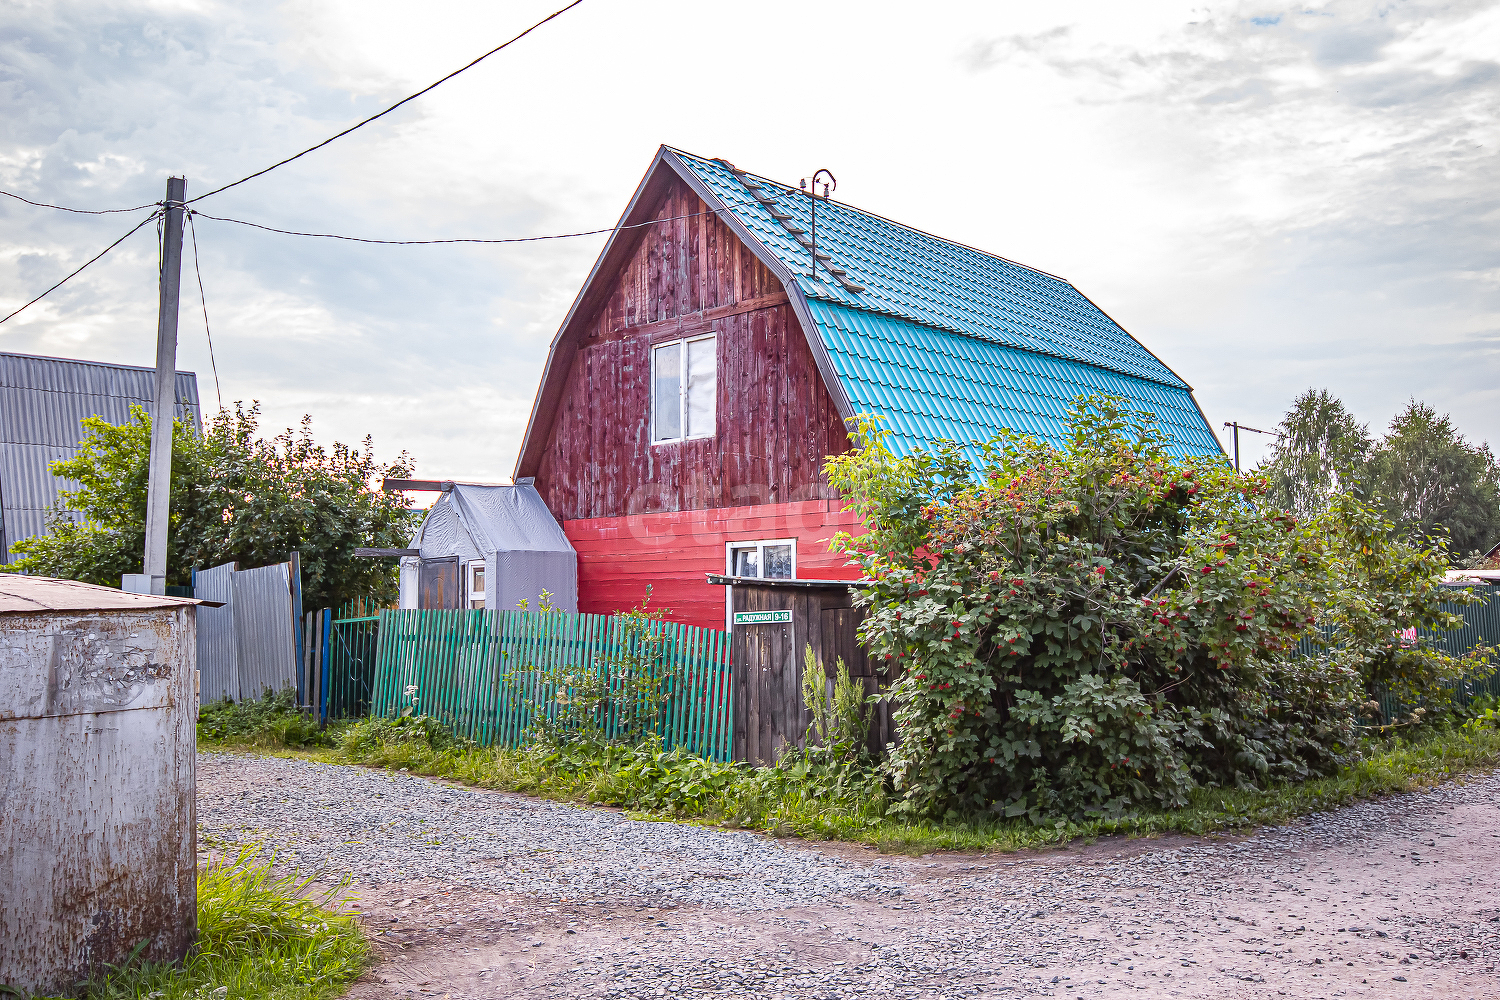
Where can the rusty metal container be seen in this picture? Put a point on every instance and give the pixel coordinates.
(98, 851)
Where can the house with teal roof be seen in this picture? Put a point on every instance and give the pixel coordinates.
(731, 327)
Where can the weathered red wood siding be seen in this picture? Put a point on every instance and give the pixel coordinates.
(674, 551)
(643, 514)
(775, 420)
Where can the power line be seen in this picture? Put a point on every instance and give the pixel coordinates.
(203, 298)
(393, 107)
(101, 253)
(76, 211)
(513, 239)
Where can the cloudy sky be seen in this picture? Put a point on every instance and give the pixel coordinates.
(1269, 196)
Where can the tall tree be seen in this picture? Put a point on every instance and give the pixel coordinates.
(235, 497)
(1321, 451)
(1432, 482)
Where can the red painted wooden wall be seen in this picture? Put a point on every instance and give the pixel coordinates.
(776, 422)
(673, 552)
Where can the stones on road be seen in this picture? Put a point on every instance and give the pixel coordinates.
(495, 894)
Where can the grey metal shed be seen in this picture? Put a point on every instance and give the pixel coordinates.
(491, 547)
(42, 401)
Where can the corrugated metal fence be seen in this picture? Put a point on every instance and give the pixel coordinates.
(1481, 628)
(248, 646)
(482, 672)
(218, 666)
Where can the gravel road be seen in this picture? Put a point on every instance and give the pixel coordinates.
(475, 894)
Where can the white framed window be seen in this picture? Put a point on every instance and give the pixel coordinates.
(476, 584)
(767, 559)
(684, 389)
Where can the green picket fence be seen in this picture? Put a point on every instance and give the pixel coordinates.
(481, 672)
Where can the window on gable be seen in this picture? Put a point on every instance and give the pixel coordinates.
(774, 559)
(684, 389)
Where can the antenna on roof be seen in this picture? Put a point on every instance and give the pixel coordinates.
(810, 188)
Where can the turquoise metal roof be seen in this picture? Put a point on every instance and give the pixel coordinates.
(946, 341)
(932, 384)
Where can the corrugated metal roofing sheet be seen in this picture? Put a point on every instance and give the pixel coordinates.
(949, 342)
(930, 384)
(918, 277)
(42, 401)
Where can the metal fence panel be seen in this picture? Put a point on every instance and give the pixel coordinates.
(351, 665)
(1481, 628)
(483, 673)
(218, 655)
(265, 638)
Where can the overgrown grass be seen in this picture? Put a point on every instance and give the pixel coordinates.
(806, 798)
(262, 933)
(272, 722)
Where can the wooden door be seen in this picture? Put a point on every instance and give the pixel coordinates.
(437, 584)
(767, 677)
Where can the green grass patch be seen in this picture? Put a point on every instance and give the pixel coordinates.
(273, 722)
(262, 932)
(806, 798)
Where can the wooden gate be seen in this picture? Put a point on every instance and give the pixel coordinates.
(773, 623)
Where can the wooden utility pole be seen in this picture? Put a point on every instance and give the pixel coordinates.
(164, 407)
(1241, 427)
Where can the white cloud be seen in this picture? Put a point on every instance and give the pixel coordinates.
(1270, 196)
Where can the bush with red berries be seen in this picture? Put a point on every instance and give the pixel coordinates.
(1091, 629)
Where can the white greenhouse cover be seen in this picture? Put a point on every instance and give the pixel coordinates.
(510, 528)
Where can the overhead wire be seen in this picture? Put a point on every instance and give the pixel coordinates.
(512, 239)
(78, 211)
(138, 226)
(393, 107)
(281, 163)
(203, 298)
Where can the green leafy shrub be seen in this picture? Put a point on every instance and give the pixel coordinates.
(1488, 718)
(1090, 630)
(367, 739)
(1383, 611)
(235, 497)
(619, 699)
(840, 717)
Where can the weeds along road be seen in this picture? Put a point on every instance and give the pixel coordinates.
(474, 894)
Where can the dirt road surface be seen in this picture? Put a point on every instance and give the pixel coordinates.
(473, 894)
